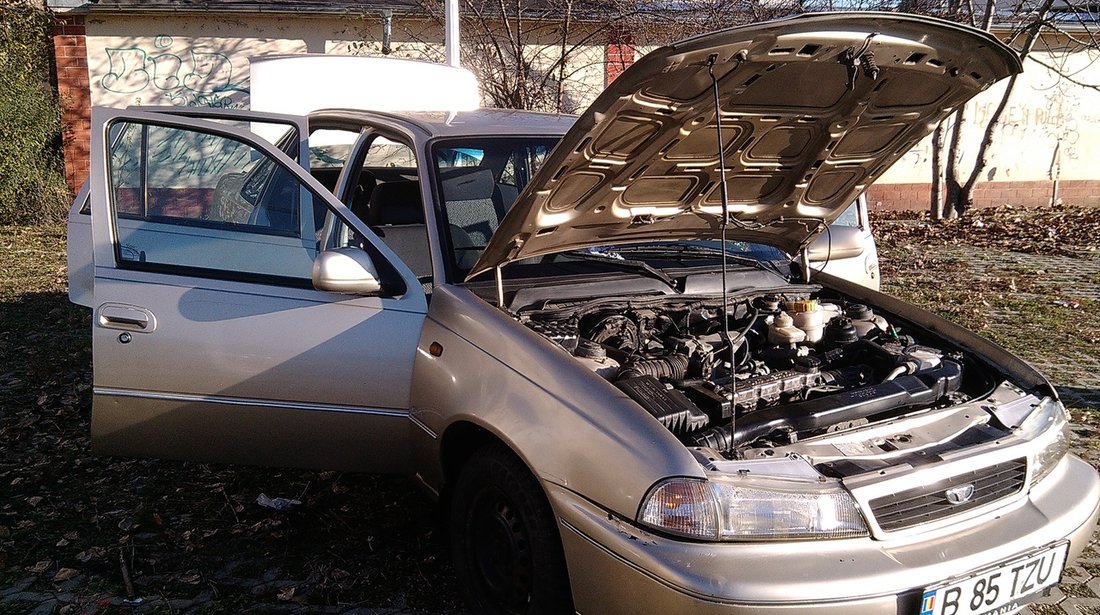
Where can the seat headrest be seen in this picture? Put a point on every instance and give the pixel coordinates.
(396, 203)
(464, 184)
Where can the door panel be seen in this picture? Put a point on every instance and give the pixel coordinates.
(209, 341)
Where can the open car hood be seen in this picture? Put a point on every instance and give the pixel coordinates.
(814, 109)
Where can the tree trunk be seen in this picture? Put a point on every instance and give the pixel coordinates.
(522, 101)
(936, 200)
(959, 192)
(560, 98)
(952, 206)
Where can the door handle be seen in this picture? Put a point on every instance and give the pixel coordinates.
(126, 318)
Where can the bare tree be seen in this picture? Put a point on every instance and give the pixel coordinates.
(530, 54)
(958, 197)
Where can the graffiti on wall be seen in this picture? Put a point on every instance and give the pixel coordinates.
(1039, 134)
(193, 77)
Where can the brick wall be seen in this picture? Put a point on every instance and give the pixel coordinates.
(619, 55)
(989, 194)
(71, 57)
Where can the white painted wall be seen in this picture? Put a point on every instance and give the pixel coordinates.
(1045, 113)
(204, 60)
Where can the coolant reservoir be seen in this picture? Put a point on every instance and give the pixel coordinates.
(808, 316)
(831, 311)
(782, 330)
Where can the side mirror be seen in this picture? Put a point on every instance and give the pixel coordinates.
(345, 270)
(846, 242)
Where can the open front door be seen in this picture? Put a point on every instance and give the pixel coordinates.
(210, 341)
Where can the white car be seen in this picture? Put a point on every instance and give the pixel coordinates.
(847, 249)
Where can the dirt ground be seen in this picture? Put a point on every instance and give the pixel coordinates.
(82, 534)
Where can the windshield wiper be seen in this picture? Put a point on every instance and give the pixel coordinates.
(613, 259)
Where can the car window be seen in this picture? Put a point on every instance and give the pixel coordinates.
(207, 203)
(329, 147)
(850, 217)
(479, 181)
(390, 154)
(523, 163)
(387, 197)
(283, 136)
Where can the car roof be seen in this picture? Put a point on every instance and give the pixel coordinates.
(480, 122)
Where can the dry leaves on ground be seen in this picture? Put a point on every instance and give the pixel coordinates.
(1063, 230)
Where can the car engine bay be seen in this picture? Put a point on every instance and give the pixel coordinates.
(788, 365)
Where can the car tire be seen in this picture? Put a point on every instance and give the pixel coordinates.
(504, 539)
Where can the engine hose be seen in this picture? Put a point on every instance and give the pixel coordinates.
(672, 367)
(743, 338)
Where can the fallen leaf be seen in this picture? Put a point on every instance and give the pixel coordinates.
(65, 574)
(40, 567)
(91, 554)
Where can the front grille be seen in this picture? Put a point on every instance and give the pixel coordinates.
(930, 502)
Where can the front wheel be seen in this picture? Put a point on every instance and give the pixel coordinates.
(504, 539)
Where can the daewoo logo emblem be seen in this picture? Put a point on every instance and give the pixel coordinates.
(959, 495)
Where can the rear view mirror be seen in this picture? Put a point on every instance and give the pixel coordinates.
(345, 270)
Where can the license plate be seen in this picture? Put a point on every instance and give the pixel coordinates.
(1001, 589)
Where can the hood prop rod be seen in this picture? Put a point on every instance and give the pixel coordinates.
(498, 271)
(711, 60)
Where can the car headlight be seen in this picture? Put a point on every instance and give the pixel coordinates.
(1048, 426)
(739, 508)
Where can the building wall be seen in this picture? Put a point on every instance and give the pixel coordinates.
(1037, 193)
(1050, 129)
(196, 60)
(1044, 149)
(1050, 133)
(203, 60)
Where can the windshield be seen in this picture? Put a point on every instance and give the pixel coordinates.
(479, 180)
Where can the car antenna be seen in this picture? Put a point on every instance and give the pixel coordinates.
(711, 60)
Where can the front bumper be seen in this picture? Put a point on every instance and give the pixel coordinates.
(617, 567)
